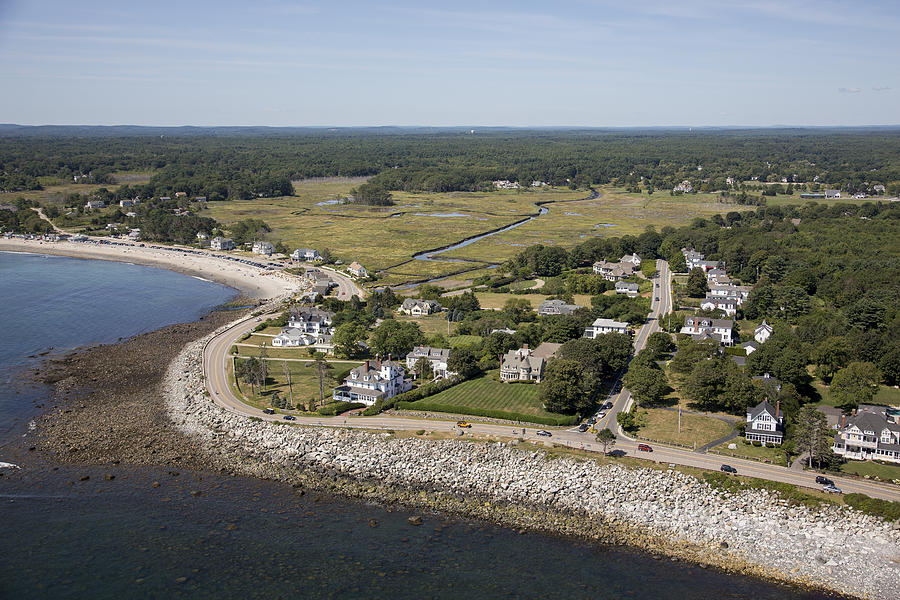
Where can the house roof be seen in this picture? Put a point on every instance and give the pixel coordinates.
(691, 320)
(429, 352)
(760, 408)
(515, 360)
(763, 327)
(609, 323)
(546, 350)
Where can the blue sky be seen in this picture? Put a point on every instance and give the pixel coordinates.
(561, 63)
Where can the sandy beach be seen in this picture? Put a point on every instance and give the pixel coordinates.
(250, 281)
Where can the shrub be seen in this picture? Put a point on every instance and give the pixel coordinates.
(757, 444)
(329, 410)
(887, 510)
(486, 412)
(420, 432)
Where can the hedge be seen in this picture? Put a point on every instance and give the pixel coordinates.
(329, 410)
(887, 510)
(487, 412)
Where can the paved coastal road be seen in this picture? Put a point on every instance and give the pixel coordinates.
(346, 287)
(216, 357)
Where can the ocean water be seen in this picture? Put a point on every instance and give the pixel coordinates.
(114, 532)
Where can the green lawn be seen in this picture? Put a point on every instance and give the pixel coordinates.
(488, 393)
(886, 396)
(431, 324)
(304, 379)
(496, 300)
(662, 425)
(458, 341)
(774, 455)
(872, 469)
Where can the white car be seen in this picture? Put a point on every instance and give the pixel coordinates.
(832, 489)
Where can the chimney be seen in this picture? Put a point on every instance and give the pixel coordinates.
(843, 420)
(367, 366)
(777, 409)
(525, 346)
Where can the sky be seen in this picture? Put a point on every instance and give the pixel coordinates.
(592, 63)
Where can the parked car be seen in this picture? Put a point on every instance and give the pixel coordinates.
(601, 415)
(728, 469)
(832, 489)
(269, 411)
(583, 427)
(544, 433)
(822, 480)
(290, 418)
(657, 298)
(644, 448)
(592, 420)
(465, 424)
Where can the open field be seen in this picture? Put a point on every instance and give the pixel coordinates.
(486, 392)
(431, 324)
(872, 469)
(770, 454)
(304, 380)
(380, 237)
(496, 300)
(662, 425)
(614, 213)
(886, 396)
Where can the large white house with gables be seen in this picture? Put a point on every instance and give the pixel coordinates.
(311, 320)
(603, 326)
(437, 358)
(727, 304)
(762, 332)
(705, 327)
(417, 307)
(373, 381)
(872, 433)
(765, 424)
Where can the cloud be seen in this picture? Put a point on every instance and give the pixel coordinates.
(881, 88)
(845, 90)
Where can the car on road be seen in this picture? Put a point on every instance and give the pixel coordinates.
(290, 418)
(657, 298)
(601, 415)
(592, 420)
(269, 411)
(644, 448)
(583, 427)
(822, 480)
(832, 489)
(728, 469)
(465, 424)
(544, 433)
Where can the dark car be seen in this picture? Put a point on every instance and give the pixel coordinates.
(657, 298)
(644, 448)
(269, 411)
(544, 433)
(822, 480)
(583, 427)
(290, 418)
(728, 469)
(592, 420)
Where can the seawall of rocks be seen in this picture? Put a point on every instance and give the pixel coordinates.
(753, 532)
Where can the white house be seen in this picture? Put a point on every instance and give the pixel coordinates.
(357, 270)
(613, 271)
(632, 258)
(832, 194)
(311, 320)
(765, 424)
(263, 248)
(602, 326)
(623, 287)
(417, 307)
(692, 258)
(738, 292)
(373, 381)
(525, 364)
(126, 203)
(762, 333)
(718, 329)
(220, 243)
(873, 432)
(306, 254)
(92, 204)
(726, 304)
(293, 337)
(437, 357)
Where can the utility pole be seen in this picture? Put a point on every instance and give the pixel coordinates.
(679, 419)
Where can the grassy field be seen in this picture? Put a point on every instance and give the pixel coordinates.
(496, 300)
(431, 324)
(662, 425)
(304, 380)
(773, 455)
(886, 396)
(487, 392)
(458, 341)
(872, 469)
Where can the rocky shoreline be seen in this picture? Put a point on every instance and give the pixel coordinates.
(753, 532)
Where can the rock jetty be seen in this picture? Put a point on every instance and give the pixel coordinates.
(754, 531)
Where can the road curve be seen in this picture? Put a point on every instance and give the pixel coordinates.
(216, 355)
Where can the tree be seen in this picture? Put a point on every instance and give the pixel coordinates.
(323, 374)
(347, 337)
(691, 353)
(263, 364)
(812, 434)
(248, 371)
(659, 344)
(372, 194)
(647, 385)
(463, 362)
(855, 384)
(561, 389)
(696, 286)
(423, 369)
(518, 310)
(286, 366)
(396, 338)
(607, 438)
(889, 365)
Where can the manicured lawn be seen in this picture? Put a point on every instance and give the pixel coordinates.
(774, 455)
(304, 379)
(872, 469)
(431, 324)
(496, 300)
(662, 425)
(886, 396)
(486, 392)
(458, 341)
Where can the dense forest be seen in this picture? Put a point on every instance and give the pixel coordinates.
(231, 163)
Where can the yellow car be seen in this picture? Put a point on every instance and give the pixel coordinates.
(592, 430)
(463, 424)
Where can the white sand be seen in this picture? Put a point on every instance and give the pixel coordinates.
(251, 281)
